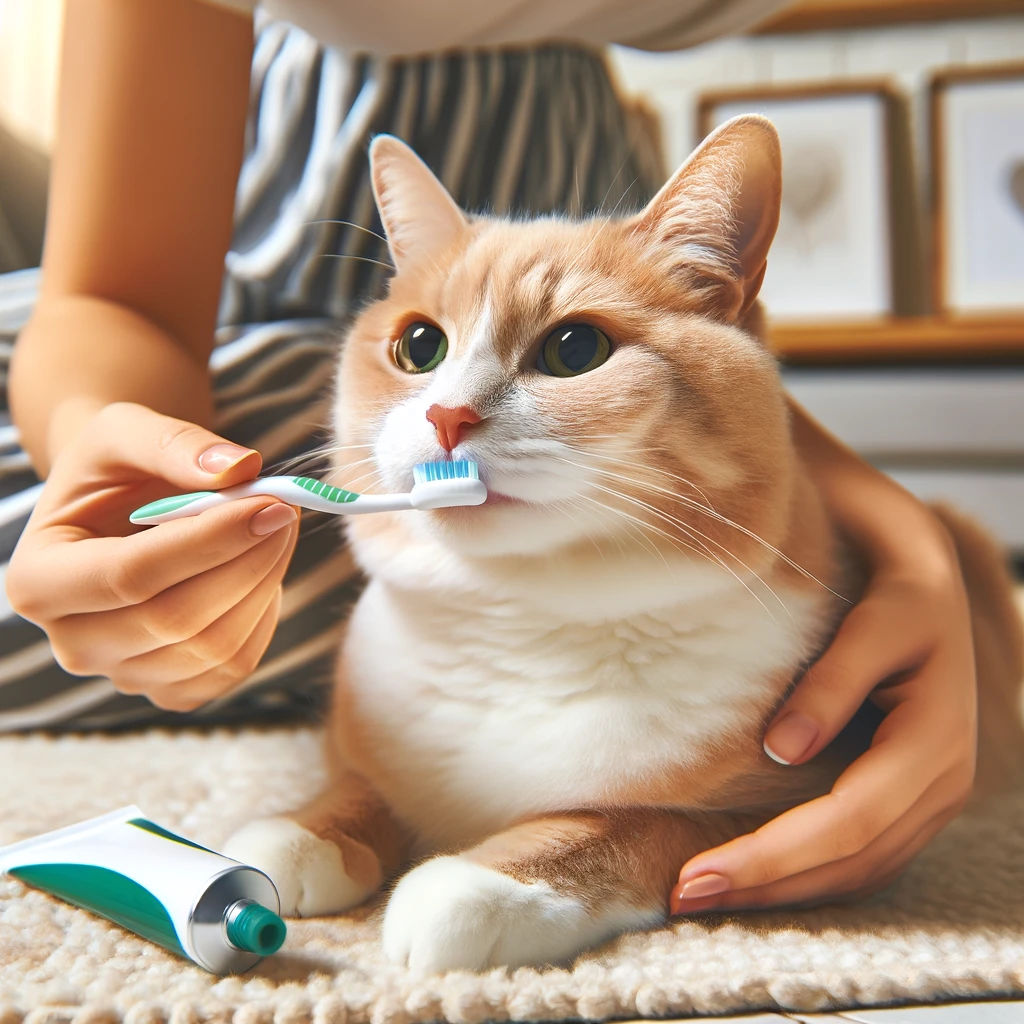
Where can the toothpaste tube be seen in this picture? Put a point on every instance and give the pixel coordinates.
(220, 914)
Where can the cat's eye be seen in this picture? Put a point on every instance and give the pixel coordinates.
(573, 349)
(420, 348)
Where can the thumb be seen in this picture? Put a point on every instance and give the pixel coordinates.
(873, 643)
(133, 438)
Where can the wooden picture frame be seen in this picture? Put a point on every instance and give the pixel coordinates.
(836, 15)
(968, 227)
(897, 210)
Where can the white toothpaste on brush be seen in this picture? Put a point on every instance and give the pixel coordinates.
(219, 913)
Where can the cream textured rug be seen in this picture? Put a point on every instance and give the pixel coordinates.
(953, 927)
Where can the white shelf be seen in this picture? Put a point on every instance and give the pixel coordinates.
(932, 412)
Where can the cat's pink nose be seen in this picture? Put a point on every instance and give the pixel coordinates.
(449, 423)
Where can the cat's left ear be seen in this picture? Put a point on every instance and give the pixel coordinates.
(418, 214)
(713, 221)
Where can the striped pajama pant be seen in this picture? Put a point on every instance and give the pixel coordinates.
(535, 130)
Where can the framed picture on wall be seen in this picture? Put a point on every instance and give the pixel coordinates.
(977, 128)
(847, 245)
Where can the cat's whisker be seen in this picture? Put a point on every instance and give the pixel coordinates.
(710, 554)
(567, 508)
(310, 458)
(726, 521)
(634, 463)
(350, 477)
(600, 524)
(354, 449)
(693, 534)
(653, 469)
(357, 462)
(350, 256)
(327, 522)
(611, 184)
(632, 521)
(674, 540)
(609, 219)
(331, 448)
(700, 537)
(350, 224)
(692, 531)
(640, 526)
(356, 484)
(714, 514)
(339, 476)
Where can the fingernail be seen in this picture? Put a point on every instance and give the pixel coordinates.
(704, 885)
(790, 738)
(222, 456)
(269, 520)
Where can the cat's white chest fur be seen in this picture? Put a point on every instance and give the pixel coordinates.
(482, 708)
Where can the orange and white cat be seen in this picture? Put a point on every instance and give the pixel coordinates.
(549, 702)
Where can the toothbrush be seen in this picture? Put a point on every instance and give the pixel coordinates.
(435, 485)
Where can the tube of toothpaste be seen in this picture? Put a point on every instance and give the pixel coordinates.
(220, 914)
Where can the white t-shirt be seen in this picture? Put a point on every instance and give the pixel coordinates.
(406, 27)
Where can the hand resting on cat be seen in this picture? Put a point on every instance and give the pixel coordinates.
(548, 703)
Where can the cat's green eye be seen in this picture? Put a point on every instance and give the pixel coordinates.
(573, 349)
(420, 348)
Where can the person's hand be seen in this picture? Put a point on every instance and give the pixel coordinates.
(908, 646)
(181, 612)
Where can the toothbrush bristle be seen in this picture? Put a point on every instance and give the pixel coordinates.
(459, 469)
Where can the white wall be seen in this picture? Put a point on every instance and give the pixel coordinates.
(908, 54)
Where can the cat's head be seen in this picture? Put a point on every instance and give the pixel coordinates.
(602, 372)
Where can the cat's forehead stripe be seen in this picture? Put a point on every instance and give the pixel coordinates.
(480, 333)
(496, 301)
(536, 283)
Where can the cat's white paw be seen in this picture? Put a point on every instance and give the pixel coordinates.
(449, 914)
(308, 871)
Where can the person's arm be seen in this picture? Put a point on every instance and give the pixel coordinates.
(877, 515)
(153, 99)
(109, 382)
(911, 628)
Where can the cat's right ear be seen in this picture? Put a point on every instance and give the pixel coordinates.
(711, 224)
(418, 214)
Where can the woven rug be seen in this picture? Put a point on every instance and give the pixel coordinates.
(954, 926)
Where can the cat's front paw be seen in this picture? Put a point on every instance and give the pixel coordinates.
(450, 913)
(309, 872)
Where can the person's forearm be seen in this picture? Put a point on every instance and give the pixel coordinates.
(153, 101)
(78, 354)
(886, 522)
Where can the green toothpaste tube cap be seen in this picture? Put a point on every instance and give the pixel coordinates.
(256, 930)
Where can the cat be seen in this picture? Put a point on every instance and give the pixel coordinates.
(550, 702)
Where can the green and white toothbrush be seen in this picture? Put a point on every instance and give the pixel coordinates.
(435, 485)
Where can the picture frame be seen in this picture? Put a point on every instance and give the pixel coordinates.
(848, 246)
(977, 162)
(840, 15)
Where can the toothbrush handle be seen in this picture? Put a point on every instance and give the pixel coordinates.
(288, 488)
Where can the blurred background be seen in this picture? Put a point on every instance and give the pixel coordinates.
(896, 284)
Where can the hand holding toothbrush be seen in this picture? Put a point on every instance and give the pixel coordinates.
(182, 614)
